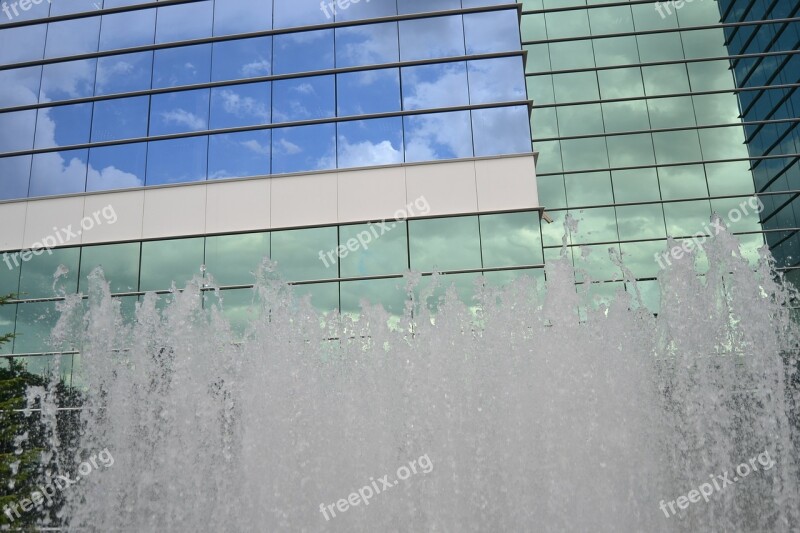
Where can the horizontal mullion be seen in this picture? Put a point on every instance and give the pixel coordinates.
(664, 30)
(271, 77)
(663, 130)
(670, 95)
(259, 127)
(666, 165)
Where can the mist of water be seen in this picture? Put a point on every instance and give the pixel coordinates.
(538, 411)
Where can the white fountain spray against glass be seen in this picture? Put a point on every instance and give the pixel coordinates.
(539, 411)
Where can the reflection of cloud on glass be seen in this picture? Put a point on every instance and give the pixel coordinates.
(256, 68)
(114, 178)
(438, 136)
(367, 153)
(58, 173)
(430, 86)
(184, 118)
(286, 147)
(72, 79)
(365, 45)
(256, 147)
(243, 106)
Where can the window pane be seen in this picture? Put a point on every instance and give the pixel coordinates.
(385, 251)
(240, 105)
(303, 52)
(74, 6)
(364, 10)
(304, 148)
(8, 318)
(424, 6)
(431, 38)
(184, 21)
(442, 244)
(179, 112)
(186, 65)
(20, 86)
(63, 125)
(71, 79)
(163, 167)
(298, 253)
(116, 167)
(367, 45)
(15, 175)
(244, 58)
(432, 86)
(35, 321)
(239, 155)
(300, 13)
(323, 296)
(501, 130)
(59, 173)
(372, 142)
(16, 130)
(164, 262)
(511, 239)
(438, 136)
(493, 31)
(9, 275)
(496, 80)
(25, 43)
(242, 16)
(304, 99)
(123, 118)
(124, 73)
(37, 279)
(376, 91)
(389, 293)
(120, 264)
(125, 30)
(72, 37)
(233, 259)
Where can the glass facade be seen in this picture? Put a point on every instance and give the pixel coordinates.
(487, 248)
(770, 104)
(637, 123)
(98, 96)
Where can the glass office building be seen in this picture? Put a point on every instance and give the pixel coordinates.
(151, 138)
(760, 35)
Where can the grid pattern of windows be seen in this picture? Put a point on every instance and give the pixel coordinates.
(495, 247)
(637, 123)
(94, 101)
(772, 137)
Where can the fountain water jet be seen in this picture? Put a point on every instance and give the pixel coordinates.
(538, 411)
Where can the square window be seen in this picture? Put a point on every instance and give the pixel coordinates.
(240, 105)
(163, 167)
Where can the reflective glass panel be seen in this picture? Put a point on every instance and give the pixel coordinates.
(184, 21)
(303, 52)
(304, 98)
(163, 167)
(438, 136)
(14, 177)
(367, 45)
(179, 112)
(131, 28)
(441, 244)
(16, 130)
(35, 321)
(71, 79)
(234, 259)
(501, 130)
(25, 43)
(120, 264)
(374, 91)
(349, 10)
(186, 65)
(511, 239)
(20, 86)
(493, 31)
(238, 155)
(389, 293)
(72, 37)
(298, 253)
(63, 125)
(124, 73)
(242, 16)
(165, 262)
(496, 80)
(116, 167)
(371, 142)
(424, 6)
(37, 279)
(244, 58)
(123, 118)
(385, 250)
(240, 105)
(58, 173)
(304, 148)
(431, 38)
(301, 13)
(432, 86)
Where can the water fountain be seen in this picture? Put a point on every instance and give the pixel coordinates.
(536, 411)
